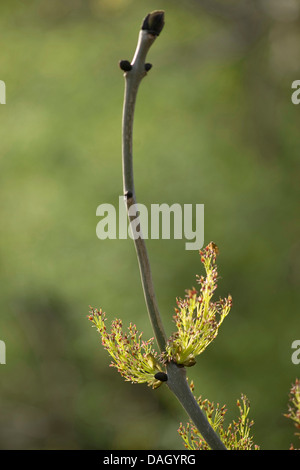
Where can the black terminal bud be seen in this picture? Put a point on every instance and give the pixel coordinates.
(154, 22)
(125, 65)
(148, 67)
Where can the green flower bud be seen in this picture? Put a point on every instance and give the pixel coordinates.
(189, 362)
(151, 361)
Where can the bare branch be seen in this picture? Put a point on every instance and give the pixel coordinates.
(134, 73)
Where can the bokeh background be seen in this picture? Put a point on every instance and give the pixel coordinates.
(214, 125)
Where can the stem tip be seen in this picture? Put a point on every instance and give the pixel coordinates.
(154, 22)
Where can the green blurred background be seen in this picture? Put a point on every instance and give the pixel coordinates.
(215, 125)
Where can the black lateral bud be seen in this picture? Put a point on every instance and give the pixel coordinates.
(125, 65)
(148, 67)
(154, 22)
(128, 195)
(161, 376)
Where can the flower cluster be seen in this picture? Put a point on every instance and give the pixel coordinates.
(134, 358)
(294, 407)
(235, 437)
(198, 318)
